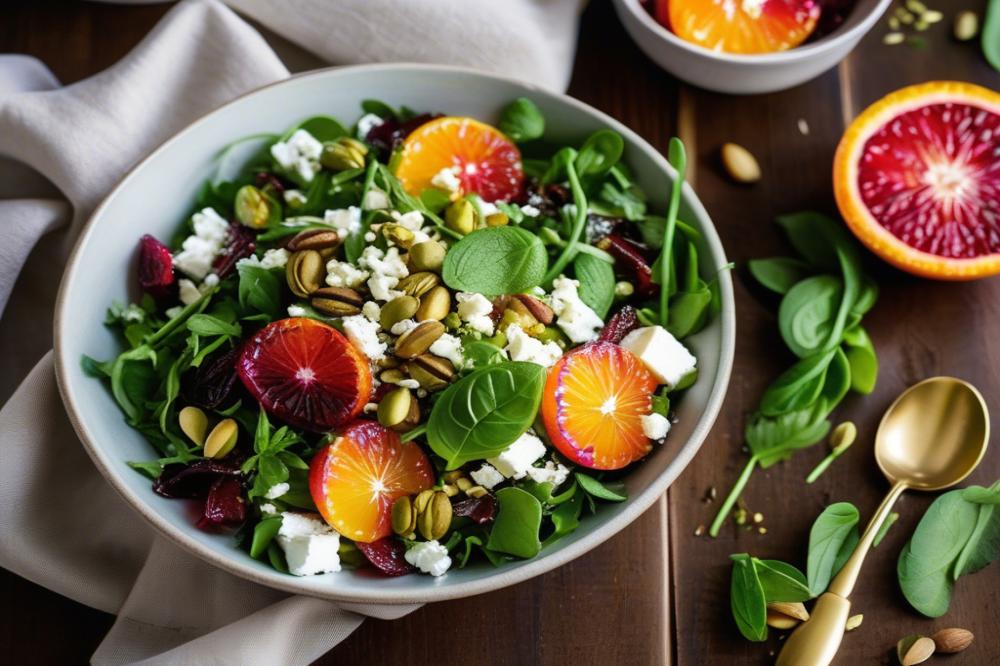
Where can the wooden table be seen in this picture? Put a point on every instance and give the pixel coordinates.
(617, 604)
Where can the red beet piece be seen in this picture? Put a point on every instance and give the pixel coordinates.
(214, 381)
(240, 245)
(194, 481)
(630, 255)
(621, 324)
(386, 555)
(225, 504)
(156, 267)
(481, 510)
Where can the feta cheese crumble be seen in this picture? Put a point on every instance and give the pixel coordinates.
(655, 426)
(277, 490)
(447, 180)
(487, 476)
(403, 326)
(299, 154)
(475, 310)
(371, 310)
(430, 557)
(523, 347)
(375, 199)
(530, 211)
(516, 459)
(386, 270)
(199, 250)
(344, 274)
(345, 220)
(575, 318)
(450, 347)
(363, 333)
(666, 358)
(296, 311)
(552, 472)
(367, 123)
(187, 291)
(310, 545)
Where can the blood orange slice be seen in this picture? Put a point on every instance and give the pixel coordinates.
(355, 480)
(594, 400)
(917, 178)
(484, 160)
(305, 373)
(741, 26)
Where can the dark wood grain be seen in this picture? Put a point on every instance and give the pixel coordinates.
(612, 606)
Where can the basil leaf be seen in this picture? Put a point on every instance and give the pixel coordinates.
(781, 581)
(779, 274)
(263, 533)
(522, 121)
(826, 538)
(798, 387)
(259, 290)
(599, 490)
(599, 153)
(983, 545)
(746, 598)
(495, 261)
(515, 530)
(484, 412)
(597, 283)
(807, 313)
(990, 38)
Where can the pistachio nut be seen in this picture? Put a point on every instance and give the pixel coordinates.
(253, 208)
(432, 372)
(388, 362)
(419, 339)
(418, 284)
(314, 239)
(476, 492)
(397, 234)
(194, 424)
(914, 650)
(394, 407)
(463, 484)
(392, 376)
(396, 310)
(343, 153)
(460, 216)
(435, 520)
(337, 301)
(434, 305)
(222, 439)
(449, 489)
(421, 500)
(412, 419)
(538, 308)
(498, 219)
(427, 256)
(966, 26)
(305, 272)
(452, 476)
(404, 516)
(518, 313)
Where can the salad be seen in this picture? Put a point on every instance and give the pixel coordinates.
(409, 343)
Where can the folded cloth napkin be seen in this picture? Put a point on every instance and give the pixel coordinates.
(61, 150)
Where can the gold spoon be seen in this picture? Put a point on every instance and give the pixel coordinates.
(932, 437)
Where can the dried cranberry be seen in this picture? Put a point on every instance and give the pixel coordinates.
(214, 381)
(241, 243)
(225, 504)
(266, 180)
(156, 268)
(387, 135)
(621, 324)
(481, 510)
(194, 481)
(386, 555)
(631, 256)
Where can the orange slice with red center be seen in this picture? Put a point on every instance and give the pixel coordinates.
(917, 179)
(485, 161)
(594, 401)
(741, 26)
(305, 373)
(355, 480)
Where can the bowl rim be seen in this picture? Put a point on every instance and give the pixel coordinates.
(500, 578)
(826, 43)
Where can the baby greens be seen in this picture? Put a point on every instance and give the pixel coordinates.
(819, 320)
(515, 530)
(522, 121)
(597, 282)
(495, 261)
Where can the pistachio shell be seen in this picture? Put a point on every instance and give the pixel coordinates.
(404, 517)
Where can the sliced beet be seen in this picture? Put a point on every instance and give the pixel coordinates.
(630, 256)
(241, 244)
(224, 505)
(387, 555)
(214, 382)
(194, 481)
(156, 268)
(480, 510)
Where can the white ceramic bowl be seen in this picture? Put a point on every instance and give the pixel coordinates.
(159, 193)
(746, 74)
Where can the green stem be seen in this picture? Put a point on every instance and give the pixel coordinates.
(821, 467)
(413, 434)
(734, 494)
(580, 201)
(678, 160)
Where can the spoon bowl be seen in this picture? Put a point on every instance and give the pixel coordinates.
(933, 435)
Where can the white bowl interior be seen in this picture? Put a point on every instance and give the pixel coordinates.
(159, 194)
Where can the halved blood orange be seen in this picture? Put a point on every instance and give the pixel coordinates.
(305, 373)
(594, 401)
(741, 26)
(917, 178)
(484, 160)
(355, 480)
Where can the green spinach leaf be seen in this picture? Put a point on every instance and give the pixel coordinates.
(522, 121)
(798, 387)
(597, 489)
(259, 290)
(826, 540)
(515, 530)
(746, 598)
(496, 261)
(779, 274)
(599, 153)
(781, 581)
(597, 283)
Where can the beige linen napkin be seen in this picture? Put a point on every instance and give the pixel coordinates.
(61, 151)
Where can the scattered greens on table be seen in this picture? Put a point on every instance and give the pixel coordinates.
(181, 355)
(824, 297)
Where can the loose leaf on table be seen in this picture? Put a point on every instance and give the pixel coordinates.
(781, 581)
(816, 237)
(808, 312)
(862, 360)
(746, 598)
(772, 439)
(829, 533)
(484, 412)
(515, 530)
(779, 274)
(522, 121)
(495, 261)
(798, 387)
(597, 283)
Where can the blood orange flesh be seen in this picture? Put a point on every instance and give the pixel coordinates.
(305, 373)
(741, 26)
(485, 161)
(355, 480)
(917, 178)
(594, 399)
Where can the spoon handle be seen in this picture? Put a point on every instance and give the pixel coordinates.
(816, 641)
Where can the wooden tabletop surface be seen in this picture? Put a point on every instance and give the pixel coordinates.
(656, 593)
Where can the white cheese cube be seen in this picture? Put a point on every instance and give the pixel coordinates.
(515, 460)
(311, 555)
(375, 199)
(666, 358)
(655, 426)
(553, 472)
(296, 311)
(297, 524)
(430, 557)
(487, 476)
